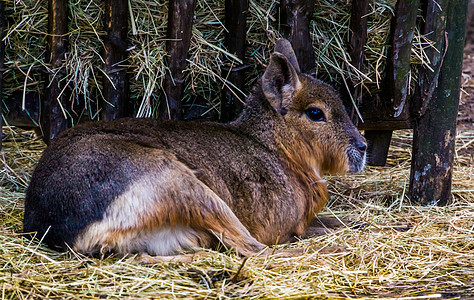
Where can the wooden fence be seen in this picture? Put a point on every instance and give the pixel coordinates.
(431, 112)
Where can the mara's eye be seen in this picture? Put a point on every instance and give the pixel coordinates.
(315, 114)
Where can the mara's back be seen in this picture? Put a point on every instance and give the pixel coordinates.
(161, 187)
(85, 169)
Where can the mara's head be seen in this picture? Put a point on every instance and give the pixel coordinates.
(315, 110)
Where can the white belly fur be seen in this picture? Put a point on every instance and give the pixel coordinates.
(126, 225)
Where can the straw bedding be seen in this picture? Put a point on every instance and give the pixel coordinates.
(394, 250)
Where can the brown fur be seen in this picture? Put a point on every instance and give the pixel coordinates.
(142, 185)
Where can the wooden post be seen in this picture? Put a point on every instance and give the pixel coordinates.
(378, 143)
(235, 23)
(434, 28)
(398, 60)
(435, 131)
(115, 86)
(3, 25)
(358, 38)
(295, 24)
(52, 117)
(397, 76)
(180, 23)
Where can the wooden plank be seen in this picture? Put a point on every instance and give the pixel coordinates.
(295, 24)
(358, 38)
(52, 118)
(385, 125)
(3, 25)
(180, 23)
(435, 131)
(235, 23)
(115, 86)
(398, 60)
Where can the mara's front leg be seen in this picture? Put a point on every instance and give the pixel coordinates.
(324, 225)
(164, 212)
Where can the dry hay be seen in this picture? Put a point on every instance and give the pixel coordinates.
(395, 249)
(208, 57)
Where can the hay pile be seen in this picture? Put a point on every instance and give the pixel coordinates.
(396, 249)
(208, 56)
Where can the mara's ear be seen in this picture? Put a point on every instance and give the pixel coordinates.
(284, 47)
(280, 82)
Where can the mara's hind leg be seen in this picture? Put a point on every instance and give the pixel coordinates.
(164, 212)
